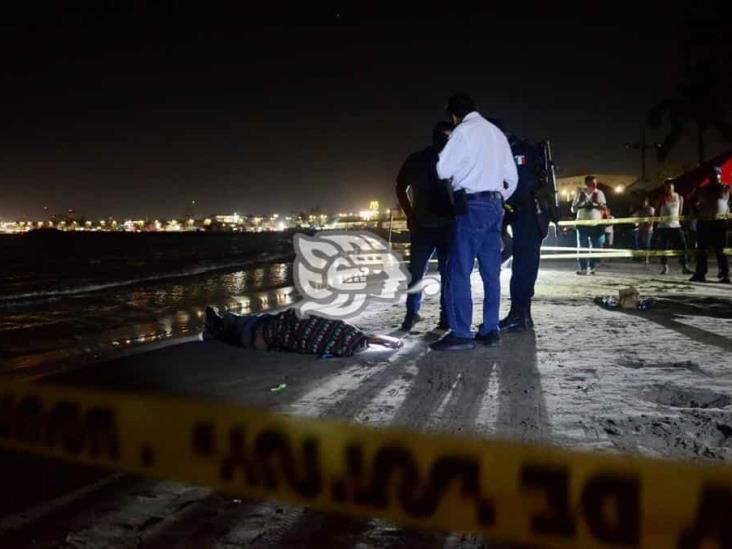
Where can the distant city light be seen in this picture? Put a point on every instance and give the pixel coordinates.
(70, 220)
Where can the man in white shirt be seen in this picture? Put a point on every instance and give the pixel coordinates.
(478, 161)
(589, 204)
(669, 234)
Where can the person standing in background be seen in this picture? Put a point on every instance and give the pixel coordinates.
(429, 219)
(589, 204)
(669, 234)
(644, 229)
(478, 161)
(608, 232)
(713, 200)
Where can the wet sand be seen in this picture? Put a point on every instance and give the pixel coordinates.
(655, 383)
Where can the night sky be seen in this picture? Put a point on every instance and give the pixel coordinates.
(136, 111)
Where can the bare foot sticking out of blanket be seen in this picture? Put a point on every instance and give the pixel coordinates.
(386, 341)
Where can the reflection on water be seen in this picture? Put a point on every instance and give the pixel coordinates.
(93, 326)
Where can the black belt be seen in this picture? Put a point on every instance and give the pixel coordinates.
(484, 194)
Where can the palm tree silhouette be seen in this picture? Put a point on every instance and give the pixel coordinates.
(703, 100)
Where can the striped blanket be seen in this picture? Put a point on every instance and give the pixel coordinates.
(311, 335)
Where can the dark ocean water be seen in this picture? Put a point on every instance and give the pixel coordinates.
(77, 297)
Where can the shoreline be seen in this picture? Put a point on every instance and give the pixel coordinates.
(19, 300)
(73, 364)
(43, 371)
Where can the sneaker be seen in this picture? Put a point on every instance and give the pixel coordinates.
(410, 321)
(491, 339)
(664, 270)
(697, 278)
(591, 271)
(451, 342)
(582, 273)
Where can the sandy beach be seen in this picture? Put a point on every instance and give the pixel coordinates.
(654, 382)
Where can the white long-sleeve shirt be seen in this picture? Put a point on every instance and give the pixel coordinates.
(478, 158)
(581, 205)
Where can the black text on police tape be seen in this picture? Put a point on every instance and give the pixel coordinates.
(609, 505)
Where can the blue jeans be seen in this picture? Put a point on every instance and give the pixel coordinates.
(477, 234)
(424, 242)
(589, 237)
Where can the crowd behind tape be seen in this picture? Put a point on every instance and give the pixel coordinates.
(619, 253)
(629, 220)
(502, 490)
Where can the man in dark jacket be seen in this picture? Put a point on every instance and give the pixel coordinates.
(713, 204)
(429, 217)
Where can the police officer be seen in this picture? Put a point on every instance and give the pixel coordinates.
(529, 222)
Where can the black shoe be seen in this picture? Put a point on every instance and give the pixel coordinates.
(451, 342)
(512, 315)
(443, 325)
(725, 280)
(491, 339)
(516, 324)
(517, 315)
(410, 321)
(697, 278)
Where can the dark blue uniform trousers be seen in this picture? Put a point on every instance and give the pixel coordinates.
(526, 253)
(424, 243)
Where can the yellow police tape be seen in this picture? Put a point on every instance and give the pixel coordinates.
(503, 490)
(615, 253)
(629, 220)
